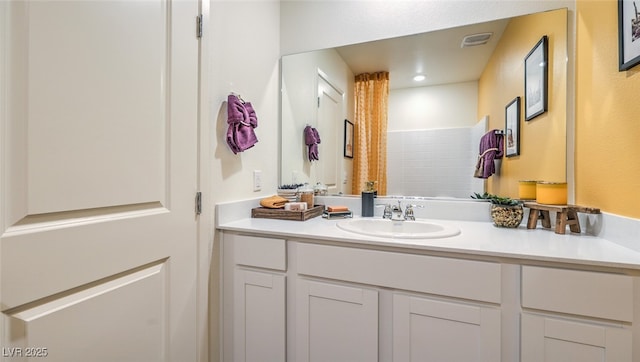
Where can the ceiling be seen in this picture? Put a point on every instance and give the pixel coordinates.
(438, 55)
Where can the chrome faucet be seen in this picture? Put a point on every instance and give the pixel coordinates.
(396, 212)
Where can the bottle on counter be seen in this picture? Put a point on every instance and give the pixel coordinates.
(306, 195)
(368, 195)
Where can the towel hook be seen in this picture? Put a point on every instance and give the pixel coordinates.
(239, 96)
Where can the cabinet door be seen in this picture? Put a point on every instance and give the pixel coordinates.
(336, 322)
(434, 330)
(552, 339)
(259, 320)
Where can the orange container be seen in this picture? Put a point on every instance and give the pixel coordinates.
(551, 193)
(527, 190)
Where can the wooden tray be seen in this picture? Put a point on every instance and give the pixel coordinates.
(266, 213)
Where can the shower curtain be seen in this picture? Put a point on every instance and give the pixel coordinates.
(370, 136)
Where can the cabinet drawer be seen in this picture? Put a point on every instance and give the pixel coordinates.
(467, 279)
(593, 294)
(259, 252)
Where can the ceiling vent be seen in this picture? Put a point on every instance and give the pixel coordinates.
(475, 39)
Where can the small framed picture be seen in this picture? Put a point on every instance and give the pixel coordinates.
(628, 34)
(512, 128)
(348, 139)
(535, 80)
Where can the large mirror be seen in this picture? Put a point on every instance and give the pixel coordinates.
(434, 125)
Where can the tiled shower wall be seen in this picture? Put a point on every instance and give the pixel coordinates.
(434, 162)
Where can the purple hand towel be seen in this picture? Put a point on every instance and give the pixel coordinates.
(491, 147)
(311, 139)
(316, 135)
(236, 110)
(242, 119)
(310, 136)
(251, 115)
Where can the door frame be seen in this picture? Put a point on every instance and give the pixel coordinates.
(205, 310)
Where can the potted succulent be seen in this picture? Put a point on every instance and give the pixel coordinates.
(505, 211)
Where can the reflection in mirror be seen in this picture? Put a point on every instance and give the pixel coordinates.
(317, 89)
(434, 126)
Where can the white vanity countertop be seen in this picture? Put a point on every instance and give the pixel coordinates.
(476, 238)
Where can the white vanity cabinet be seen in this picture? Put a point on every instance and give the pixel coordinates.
(254, 303)
(309, 300)
(427, 329)
(571, 315)
(335, 322)
(442, 309)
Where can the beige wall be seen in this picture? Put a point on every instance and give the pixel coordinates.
(543, 139)
(607, 115)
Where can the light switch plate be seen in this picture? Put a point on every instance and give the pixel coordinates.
(257, 180)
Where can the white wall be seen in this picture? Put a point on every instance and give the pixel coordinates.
(432, 141)
(436, 162)
(312, 25)
(441, 106)
(245, 56)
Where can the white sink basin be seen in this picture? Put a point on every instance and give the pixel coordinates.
(398, 229)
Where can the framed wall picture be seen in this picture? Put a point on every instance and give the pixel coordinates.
(512, 128)
(348, 139)
(628, 34)
(535, 80)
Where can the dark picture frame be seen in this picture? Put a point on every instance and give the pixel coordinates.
(536, 77)
(512, 128)
(348, 139)
(628, 35)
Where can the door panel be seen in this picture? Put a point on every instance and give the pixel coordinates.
(435, 330)
(550, 339)
(79, 313)
(336, 322)
(104, 81)
(259, 329)
(99, 172)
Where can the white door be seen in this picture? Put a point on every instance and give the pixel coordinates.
(549, 339)
(434, 330)
(335, 322)
(259, 316)
(98, 156)
(330, 128)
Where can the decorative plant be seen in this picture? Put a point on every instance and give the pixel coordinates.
(503, 212)
(495, 199)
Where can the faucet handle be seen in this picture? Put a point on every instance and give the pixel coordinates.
(386, 214)
(408, 212)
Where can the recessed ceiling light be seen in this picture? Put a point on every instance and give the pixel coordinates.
(419, 78)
